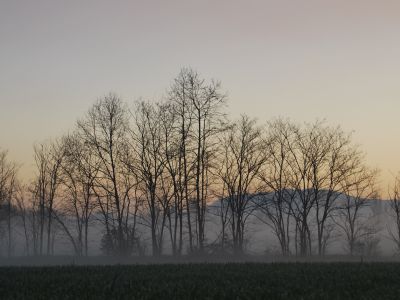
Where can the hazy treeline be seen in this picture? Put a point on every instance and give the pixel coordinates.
(162, 165)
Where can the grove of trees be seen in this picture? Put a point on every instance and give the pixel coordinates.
(151, 174)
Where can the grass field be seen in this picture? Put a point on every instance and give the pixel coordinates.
(204, 281)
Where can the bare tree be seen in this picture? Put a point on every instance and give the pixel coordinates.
(307, 154)
(173, 167)
(148, 163)
(8, 187)
(55, 156)
(104, 130)
(276, 177)
(341, 160)
(206, 101)
(48, 157)
(395, 213)
(198, 107)
(242, 160)
(182, 109)
(79, 169)
(40, 190)
(358, 190)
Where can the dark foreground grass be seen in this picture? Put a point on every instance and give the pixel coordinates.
(204, 281)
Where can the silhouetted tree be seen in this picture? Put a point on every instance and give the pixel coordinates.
(357, 226)
(394, 211)
(104, 130)
(8, 188)
(276, 177)
(148, 164)
(242, 160)
(48, 157)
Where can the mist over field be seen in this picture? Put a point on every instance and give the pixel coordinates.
(261, 244)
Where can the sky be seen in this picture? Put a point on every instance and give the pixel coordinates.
(303, 60)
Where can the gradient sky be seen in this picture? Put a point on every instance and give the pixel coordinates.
(338, 60)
